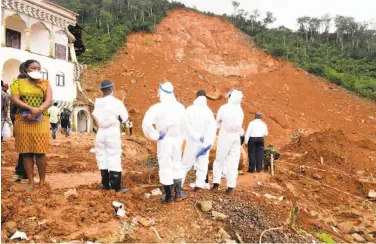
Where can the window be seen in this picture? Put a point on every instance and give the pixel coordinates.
(60, 51)
(13, 38)
(60, 79)
(44, 73)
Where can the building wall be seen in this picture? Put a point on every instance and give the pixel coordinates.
(53, 66)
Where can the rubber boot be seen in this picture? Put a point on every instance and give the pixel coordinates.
(115, 182)
(179, 193)
(230, 191)
(167, 197)
(105, 179)
(215, 187)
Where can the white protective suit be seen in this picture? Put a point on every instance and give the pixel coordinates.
(167, 116)
(230, 120)
(200, 123)
(106, 112)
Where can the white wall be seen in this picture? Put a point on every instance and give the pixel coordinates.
(40, 39)
(61, 38)
(67, 93)
(11, 66)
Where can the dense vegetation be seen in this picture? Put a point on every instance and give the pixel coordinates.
(336, 48)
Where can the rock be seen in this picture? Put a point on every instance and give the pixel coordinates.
(205, 206)
(371, 117)
(239, 238)
(145, 222)
(11, 226)
(230, 241)
(292, 189)
(369, 237)
(241, 172)
(316, 176)
(349, 238)
(92, 150)
(214, 95)
(358, 238)
(358, 230)
(156, 192)
(133, 111)
(346, 227)
(147, 195)
(372, 194)
(360, 172)
(133, 81)
(314, 214)
(224, 235)
(268, 196)
(276, 186)
(218, 215)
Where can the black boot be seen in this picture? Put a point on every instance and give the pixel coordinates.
(229, 191)
(179, 193)
(115, 182)
(215, 187)
(167, 197)
(105, 179)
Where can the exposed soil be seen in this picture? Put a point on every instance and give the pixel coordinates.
(321, 180)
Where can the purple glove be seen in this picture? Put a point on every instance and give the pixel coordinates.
(161, 135)
(203, 151)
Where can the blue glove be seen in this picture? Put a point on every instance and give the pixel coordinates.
(202, 139)
(25, 113)
(161, 135)
(203, 151)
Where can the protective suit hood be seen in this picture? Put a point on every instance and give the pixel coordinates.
(201, 100)
(166, 92)
(236, 97)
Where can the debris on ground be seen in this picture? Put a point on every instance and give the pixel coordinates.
(205, 206)
(219, 216)
(19, 235)
(156, 192)
(145, 222)
(71, 192)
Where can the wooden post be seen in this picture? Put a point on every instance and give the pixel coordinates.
(272, 163)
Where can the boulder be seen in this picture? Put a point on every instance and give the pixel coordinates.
(144, 222)
(214, 95)
(205, 206)
(11, 226)
(346, 227)
(219, 216)
(224, 235)
(358, 238)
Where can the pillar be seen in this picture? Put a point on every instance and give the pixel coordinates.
(27, 34)
(52, 43)
(3, 32)
(72, 52)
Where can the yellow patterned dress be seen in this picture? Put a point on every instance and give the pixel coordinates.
(31, 136)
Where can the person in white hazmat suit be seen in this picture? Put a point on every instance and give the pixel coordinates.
(230, 120)
(109, 112)
(169, 117)
(201, 130)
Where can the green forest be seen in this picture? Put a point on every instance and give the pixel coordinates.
(337, 48)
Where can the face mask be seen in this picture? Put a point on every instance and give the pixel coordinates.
(36, 75)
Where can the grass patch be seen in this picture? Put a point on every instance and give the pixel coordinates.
(325, 238)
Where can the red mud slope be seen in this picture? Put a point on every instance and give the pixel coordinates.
(195, 51)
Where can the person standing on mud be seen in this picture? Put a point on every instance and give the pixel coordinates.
(254, 138)
(201, 130)
(32, 96)
(65, 121)
(108, 111)
(4, 106)
(169, 117)
(230, 119)
(53, 112)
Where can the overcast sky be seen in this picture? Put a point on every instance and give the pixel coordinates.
(287, 11)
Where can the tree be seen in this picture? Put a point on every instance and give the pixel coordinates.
(254, 16)
(269, 18)
(326, 21)
(304, 25)
(235, 5)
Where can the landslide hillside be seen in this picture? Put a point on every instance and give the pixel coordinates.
(195, 51)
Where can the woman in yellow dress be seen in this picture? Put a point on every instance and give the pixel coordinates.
(32, 96)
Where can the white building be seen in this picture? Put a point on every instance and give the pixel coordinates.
(37, 29)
